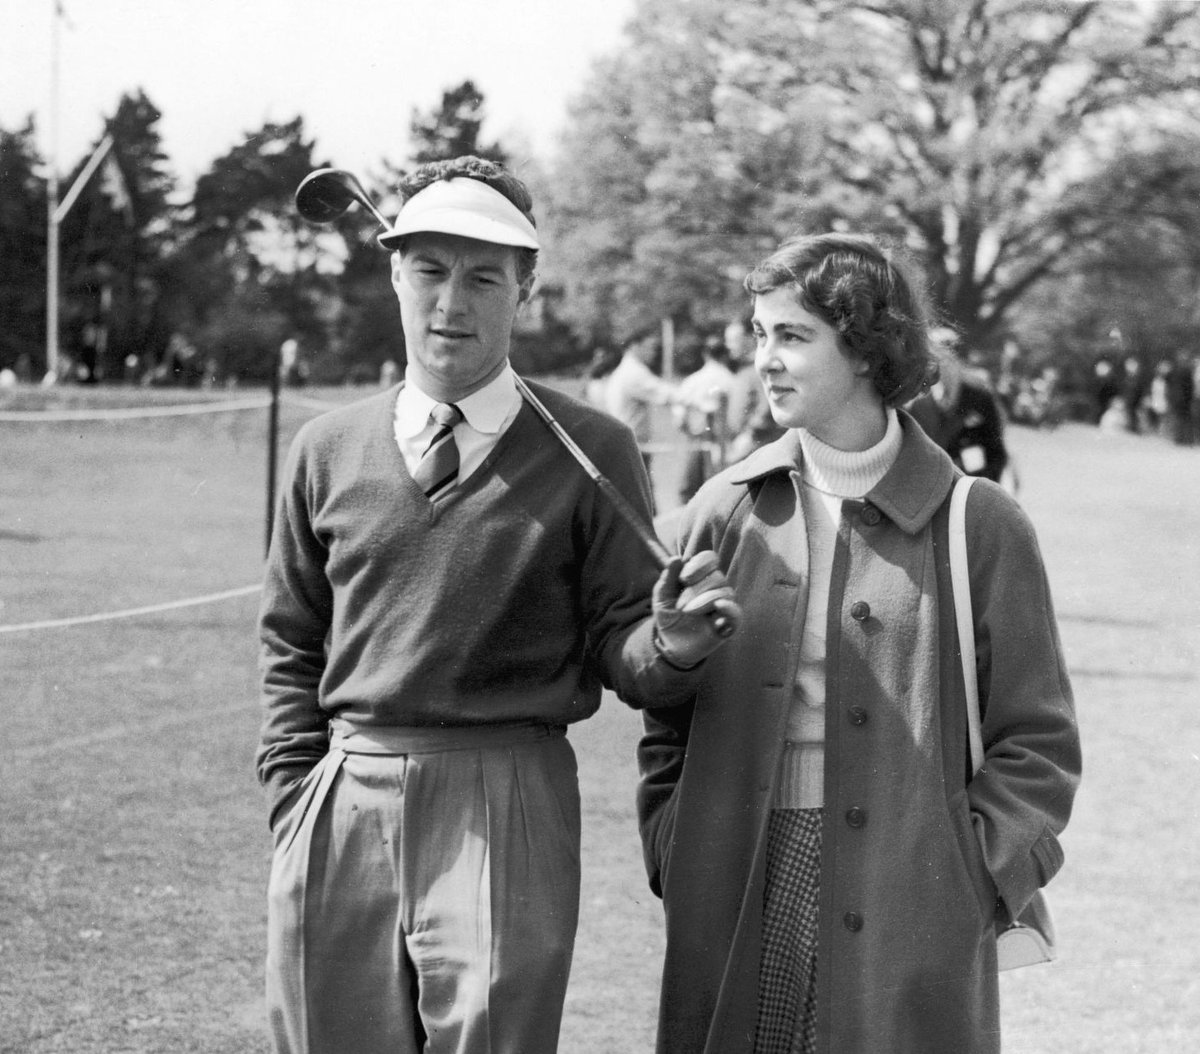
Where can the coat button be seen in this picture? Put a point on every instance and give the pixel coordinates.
(871, 515)
(853, 921)
(860, 611)
(856, 817)
(858, 715)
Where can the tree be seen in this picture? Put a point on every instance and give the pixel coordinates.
(114, 243)
(252, 273)
(453, 128)
(22, 252)
(1138, 276)
(962, 129)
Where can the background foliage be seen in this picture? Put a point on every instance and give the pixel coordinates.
(1039, 159)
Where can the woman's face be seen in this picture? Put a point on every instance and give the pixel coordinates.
(810, 380)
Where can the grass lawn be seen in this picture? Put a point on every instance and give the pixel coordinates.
(133, 846)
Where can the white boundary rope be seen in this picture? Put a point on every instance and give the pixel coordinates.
(151, 609)
(309, 404)
(179, 410)
(134, 412)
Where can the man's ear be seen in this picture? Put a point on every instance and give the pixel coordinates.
(396, 269)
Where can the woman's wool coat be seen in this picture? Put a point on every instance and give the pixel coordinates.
(919, 860)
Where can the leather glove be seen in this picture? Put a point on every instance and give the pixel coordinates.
(694, 609)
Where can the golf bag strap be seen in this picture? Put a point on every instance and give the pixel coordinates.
(964, 615)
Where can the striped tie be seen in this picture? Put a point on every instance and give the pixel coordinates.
(438, 467)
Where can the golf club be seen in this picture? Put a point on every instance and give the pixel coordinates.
(328, 193)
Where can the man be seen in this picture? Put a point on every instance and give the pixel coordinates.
(446, 591)
(961, 414)
(633, 388)
(702, 414)
(750, 422)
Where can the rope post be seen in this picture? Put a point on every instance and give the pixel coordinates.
(721, 430)
(272, 444)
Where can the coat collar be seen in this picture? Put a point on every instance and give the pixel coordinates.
(909, 494)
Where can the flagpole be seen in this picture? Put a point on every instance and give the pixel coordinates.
(52, 207)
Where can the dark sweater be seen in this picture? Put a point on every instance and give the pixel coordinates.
(509, 601)
(974, 420)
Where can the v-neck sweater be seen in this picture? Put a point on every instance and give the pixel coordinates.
(508, 601)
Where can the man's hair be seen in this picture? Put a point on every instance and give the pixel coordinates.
(715, 349)
(861, 290)
(640, 336)
(495, 176)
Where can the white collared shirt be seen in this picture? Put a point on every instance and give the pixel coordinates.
(487, 413)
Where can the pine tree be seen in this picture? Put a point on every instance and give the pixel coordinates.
(22, 253)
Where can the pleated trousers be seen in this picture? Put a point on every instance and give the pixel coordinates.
(426, 901)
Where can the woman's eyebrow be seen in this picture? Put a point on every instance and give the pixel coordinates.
(802, 328)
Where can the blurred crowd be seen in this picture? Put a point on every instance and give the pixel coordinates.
(718, 407)
(720, 414)
(1165, 400)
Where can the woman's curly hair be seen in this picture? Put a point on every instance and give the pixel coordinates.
(867, 296)
(494, 175)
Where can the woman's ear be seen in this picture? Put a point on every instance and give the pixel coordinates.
(525, 292)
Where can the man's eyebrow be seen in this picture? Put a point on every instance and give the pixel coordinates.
(432, 256)
(426, 256)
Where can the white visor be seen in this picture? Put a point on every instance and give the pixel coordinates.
(465, 207)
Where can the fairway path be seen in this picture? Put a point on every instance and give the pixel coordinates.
(133, 846)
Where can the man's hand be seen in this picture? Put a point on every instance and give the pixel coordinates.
(694, 609)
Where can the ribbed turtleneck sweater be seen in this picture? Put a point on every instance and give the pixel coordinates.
(828, 477)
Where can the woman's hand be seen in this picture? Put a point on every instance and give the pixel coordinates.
(695, 609)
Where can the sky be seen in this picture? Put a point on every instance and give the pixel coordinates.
(354, 69)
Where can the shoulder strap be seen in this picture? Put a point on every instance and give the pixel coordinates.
(964, 615)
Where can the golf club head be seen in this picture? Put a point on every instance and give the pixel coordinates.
(326, 194)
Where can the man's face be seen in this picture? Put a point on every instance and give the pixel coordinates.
(458, 299)
(740, 342)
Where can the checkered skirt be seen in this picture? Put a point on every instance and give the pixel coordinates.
(787, 979)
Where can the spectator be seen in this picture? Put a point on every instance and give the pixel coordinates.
(634, 389)
(750, 422)
(1158, 408)
(1181, 394)
(702, 414)
(961, 414)
(1106, 386)
(604, 360)
(1133, 393)
(1195, 408)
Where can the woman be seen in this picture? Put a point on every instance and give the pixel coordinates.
(831, 873)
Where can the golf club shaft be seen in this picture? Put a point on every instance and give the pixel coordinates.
(365, 199)
(628, 513)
